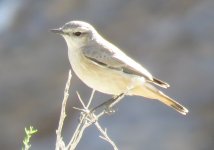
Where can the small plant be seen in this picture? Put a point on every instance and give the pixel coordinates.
(28, 134)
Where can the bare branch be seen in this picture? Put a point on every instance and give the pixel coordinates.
(81, 101)
(105, 135)
(91, 97)
(87, 117)
(59, 141)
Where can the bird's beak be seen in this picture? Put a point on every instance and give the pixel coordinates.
(58, 31)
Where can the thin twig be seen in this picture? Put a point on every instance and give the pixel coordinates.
(80, 128)
(89, 117)
(105, 135)
(80, 99)
(77, 134)
(59, 142)
(91, 97)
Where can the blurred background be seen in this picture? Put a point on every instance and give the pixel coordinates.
(174, 39)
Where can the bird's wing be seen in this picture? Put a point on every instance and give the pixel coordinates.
(113, 58)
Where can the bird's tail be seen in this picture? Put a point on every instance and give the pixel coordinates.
(152, 92)
(172, 103)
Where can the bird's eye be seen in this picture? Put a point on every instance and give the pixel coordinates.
(77, 33)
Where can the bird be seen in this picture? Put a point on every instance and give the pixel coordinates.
(104, 67)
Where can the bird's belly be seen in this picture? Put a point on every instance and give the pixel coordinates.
(101, 78)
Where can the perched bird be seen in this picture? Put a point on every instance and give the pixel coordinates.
(107, 69)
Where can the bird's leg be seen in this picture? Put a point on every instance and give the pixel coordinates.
(109, 104)
(114, 100)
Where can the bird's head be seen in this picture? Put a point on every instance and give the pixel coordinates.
(76, 33)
